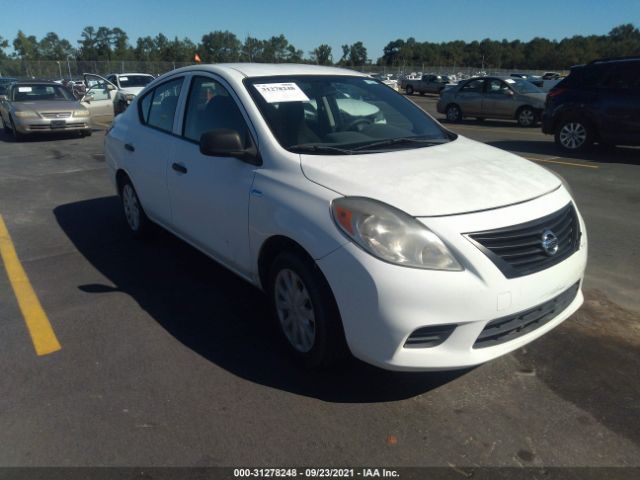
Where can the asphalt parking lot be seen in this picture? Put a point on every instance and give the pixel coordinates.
(166, 359)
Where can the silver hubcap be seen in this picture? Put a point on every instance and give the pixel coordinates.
(526, 117)
(573, 135)
(452, 113)
(131, 207)
(295, 310)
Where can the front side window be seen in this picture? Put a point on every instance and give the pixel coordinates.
(37, 92)
(210, 107)
(496, 86)
(163, 105)
(326, 114)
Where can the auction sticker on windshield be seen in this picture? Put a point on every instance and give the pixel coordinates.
(25, 89)
(281, 92)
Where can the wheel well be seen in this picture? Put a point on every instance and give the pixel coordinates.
(121, 177)
(271, 248)
(521, 107)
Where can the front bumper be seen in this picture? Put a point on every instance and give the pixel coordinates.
(382, 304)
(35, 125)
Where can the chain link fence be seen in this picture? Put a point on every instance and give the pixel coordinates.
(71, 68)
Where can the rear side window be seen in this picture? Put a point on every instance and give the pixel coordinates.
(624, 76)
(163, 105)
(473, 85)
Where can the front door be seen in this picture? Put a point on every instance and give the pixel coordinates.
(498, 99)
(210, 195)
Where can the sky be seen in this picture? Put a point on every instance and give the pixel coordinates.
(309, 23)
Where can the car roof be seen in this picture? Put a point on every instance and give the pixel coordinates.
(36, 82)
(127, 74)
(270, 69)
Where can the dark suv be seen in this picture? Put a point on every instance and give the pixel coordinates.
(598, 102)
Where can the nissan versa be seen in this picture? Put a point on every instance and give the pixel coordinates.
(371, 228)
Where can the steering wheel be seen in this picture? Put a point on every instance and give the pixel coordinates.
(358, 124)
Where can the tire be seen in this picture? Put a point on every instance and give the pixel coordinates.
(17, 136)
(5, 127)
(409, 90)
(137, 221)
(526, 117)
(313, 331)
(453, 112)
(573, 134)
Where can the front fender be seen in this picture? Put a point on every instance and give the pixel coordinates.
(289, 205)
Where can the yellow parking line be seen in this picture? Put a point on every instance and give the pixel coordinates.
(42, 335)
(562, 163)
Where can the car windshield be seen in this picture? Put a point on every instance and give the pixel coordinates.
(38, 92)
(127, 81)
(523, 86)
(340, 115)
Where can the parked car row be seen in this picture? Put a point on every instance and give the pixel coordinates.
(31, 106)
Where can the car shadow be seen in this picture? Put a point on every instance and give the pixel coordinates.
(215, 313)
(597, 153)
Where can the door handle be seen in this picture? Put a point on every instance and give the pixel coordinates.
(128, 146)
(179, 168)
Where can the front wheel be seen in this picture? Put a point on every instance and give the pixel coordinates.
(453, 113)
(409, 90)
(526, 117)
(306, 311)
(574, 135)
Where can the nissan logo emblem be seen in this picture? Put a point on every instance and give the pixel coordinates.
(549, 242)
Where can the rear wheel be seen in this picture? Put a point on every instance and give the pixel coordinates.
(306, 311)
(453, 112)
(409, 90)
(138, 222)
(574, 135)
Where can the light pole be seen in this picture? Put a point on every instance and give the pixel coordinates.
(69, 67)
(59, 68)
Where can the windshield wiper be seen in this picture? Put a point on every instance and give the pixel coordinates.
(310, 147)
(400, 140)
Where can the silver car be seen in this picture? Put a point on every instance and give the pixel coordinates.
(493, 97)
(38, 106)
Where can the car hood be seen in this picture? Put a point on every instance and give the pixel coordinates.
(47, 106)
(458, 177)
(133, 90)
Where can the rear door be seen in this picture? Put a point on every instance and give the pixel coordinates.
(469, 97)
(150, 147)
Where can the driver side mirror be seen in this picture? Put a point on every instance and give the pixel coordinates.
(225, 142)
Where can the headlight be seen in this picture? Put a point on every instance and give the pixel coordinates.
(391, 235)
(81, 113)
(26, 114)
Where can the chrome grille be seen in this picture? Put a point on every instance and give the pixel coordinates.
(56, 114)
(521, 249)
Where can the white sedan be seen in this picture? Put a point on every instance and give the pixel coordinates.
(383, 235)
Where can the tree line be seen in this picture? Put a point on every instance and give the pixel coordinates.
(113, 44)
